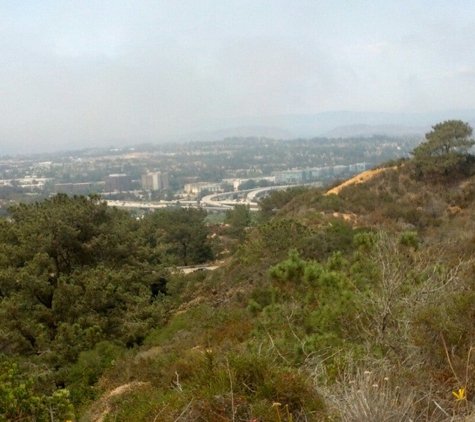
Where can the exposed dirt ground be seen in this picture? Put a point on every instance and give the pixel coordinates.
(360, 178)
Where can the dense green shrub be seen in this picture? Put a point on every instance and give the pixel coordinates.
(20, 401)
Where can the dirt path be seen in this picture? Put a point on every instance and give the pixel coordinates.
(102, 407)
(360, 178)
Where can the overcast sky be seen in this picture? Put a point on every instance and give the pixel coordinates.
(80, 73)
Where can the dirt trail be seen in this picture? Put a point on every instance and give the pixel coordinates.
(360, 178)
(101, 408)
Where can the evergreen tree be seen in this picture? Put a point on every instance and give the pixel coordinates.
(446, 148)
(238, 218)
(182, 233)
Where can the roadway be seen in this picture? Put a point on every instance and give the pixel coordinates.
(252, 195)
(213, 202)
(158, 205)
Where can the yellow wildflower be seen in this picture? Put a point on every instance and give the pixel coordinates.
(460, 394)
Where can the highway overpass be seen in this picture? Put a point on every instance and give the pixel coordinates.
(213, 202)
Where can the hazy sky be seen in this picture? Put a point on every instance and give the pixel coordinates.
(79, 73)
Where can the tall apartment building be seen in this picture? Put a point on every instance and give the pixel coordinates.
(155, 181)
(117, 183)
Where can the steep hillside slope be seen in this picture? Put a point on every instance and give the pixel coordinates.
(317, 316)
(360, 178)
(356, 306)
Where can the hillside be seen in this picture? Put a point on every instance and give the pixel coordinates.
(356, 306)
(363, 314)
(360, 178)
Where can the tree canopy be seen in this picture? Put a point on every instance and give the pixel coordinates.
(73, 271)
(445, 149)
(270, 204)
(181, 235)
(79, 283)
(238, 218)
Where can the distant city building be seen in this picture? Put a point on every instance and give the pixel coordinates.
(289, 176)
(33, 186)
(82, 187)
(43, 164)
(237, 182)
(197, 188)
(30, 182)
(164, 181)
(359, 167)
(117, 183)
(73, 188)
(155, 181)
(63, 188)
(320, 172)
(312, 174)
(338, 170)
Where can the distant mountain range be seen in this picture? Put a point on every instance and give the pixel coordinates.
(366, 131)
(238, 132)
(332, 124)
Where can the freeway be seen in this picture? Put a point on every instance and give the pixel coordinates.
(213, 202)
(252, 196)
(161, 204)
(223, 199)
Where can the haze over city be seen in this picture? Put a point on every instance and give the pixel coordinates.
(97, 73)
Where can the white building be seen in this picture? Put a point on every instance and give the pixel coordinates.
(197, 188)
(154, 181)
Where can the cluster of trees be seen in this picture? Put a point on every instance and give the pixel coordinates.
(180, 236)
(75, 273)
(72, 267)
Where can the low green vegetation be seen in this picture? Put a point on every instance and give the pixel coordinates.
(350, 307)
